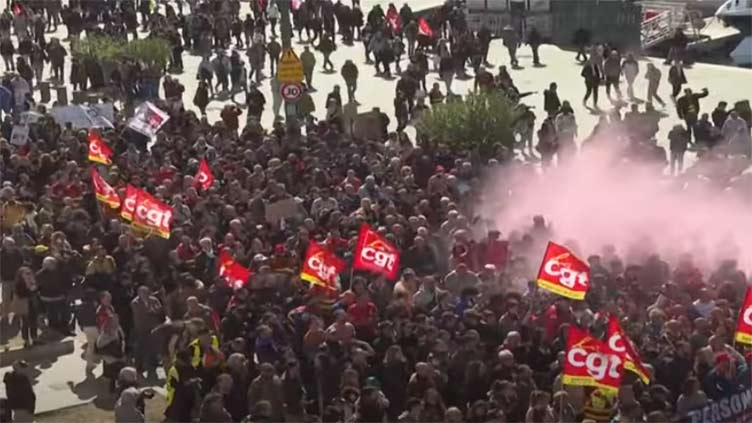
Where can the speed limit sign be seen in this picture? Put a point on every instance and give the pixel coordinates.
(291, 92)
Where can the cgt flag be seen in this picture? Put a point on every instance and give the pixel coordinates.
(375, 254)
(204, 177)
(564, 274)
(235, 274)
(129, 202)
(744, 322)
(151, 214)
(393, 19)
(424, 28)
(104, 192)
(591, 362)
(620, 343)
(99, 151)
(321, 267)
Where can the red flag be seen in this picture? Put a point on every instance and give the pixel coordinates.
(375, 254)
(17, 9)
(321, 266)
(564, 274)
(393, 18)
(104, 192)
(235, 274)
(591, 362)
(424, 28)
(151, 214)
(98, 150)
(620, 343)
(129, 202)
(744, 322)
(204, 177)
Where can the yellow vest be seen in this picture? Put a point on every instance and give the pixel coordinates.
(173, 377)
(197, 356)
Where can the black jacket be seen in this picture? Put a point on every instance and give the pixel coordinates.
(19, 391)
(551, 102)
(12, 260)
(591, 73)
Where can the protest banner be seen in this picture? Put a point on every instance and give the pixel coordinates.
(735, 408)
(282, 209)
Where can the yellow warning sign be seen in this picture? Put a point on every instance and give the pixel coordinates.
(290, 69)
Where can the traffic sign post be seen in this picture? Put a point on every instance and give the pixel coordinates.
(290, 70)
(291, 92)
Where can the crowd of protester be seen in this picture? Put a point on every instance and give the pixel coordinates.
(462, 335)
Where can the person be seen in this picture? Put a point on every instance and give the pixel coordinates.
(147, 315)
(86, 316)
(21, 397)
(736, 134)
(566, 129)
(213, 410)
(676, 78)
(653, 75)
(705, 132)
(679, 140)
(591, 73)
(274, 49)
(401, 113)
(511, 42)
(551, 102)
(688, 108)
(446, 72)
(273, 14)
(110, 345)
(267, 387)
(534, 40)
(26, 304)
(12, 259)
(309, 62)
(582, 40)
(350, 75)
(54, 283)
(630, 68)
(201, 98)
(327, 47)
(183, 388)
(255, 101)
(612, 71)
(720, 114)
(435, 96)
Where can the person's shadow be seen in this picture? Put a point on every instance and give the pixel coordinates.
(93, 388)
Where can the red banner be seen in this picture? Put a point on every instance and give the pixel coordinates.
(104, 192)
(564, 274)
(375, 254)
(321, 266)
(235, 274)
(744, 322)
(590, 362)
(204, 177)
(393, 18)
(621, 344)
(129, 202)
(151, 214)
(99, 151)
(424, 28)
